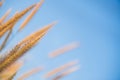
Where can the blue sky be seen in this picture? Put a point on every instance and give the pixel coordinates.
(93, 23)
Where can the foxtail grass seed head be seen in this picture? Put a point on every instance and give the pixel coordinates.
(16, 17)
(10, 61)
(61, 68)
(6, 29)
(65, 73)
(12, 58)
(42, 30)
(64, 49)
(25, 41)
(11, 70)
(5, 15)
(29, 17)
(30, 73)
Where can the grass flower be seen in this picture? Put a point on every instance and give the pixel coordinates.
(29, 17)
(10, 61)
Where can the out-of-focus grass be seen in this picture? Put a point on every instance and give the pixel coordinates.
(10, 61)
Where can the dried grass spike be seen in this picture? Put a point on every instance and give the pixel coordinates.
(61, 68)
(15, 56)
(42, 30)
(31, 15)
(7, 29)
(5, 15)
(65, 73)
(16, 17)
(13, 52)
(63, 49)
(11, 70)
(30, 73)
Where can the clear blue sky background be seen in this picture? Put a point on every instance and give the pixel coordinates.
(93, 23)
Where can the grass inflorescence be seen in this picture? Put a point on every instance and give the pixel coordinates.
(11, 62)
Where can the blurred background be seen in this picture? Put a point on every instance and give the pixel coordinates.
(95, 24)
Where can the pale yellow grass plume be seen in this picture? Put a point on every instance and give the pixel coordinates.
(61, 68)
(9, 27)
(2, 19)
(30, 73)
(21, 50)
(29, 17)
(63, 49)
(6, 29)
(15, 18)
(67, 72)
(18, 54)
(27, 39)
(9, 61)
(11, 70)
(8, 34)
(42, 30)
